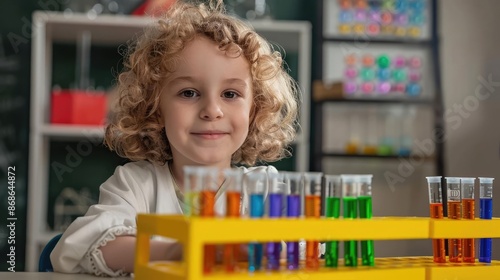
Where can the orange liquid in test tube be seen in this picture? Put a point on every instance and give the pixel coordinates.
(312, 209)
(207, 203)
(455, 245)
(231, 251)
(436, 210)
(233, 204)
(468, 211)
(468, 206)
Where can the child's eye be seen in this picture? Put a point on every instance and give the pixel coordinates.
(189, 93)
(230, 94)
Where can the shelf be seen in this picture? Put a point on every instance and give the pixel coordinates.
(72, 131)
(333, 47)
(325, 154)
(413, 101)
(66, 28)
(364, 39)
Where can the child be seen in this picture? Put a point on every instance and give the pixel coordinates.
(199, 88)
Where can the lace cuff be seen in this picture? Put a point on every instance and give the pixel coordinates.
(94, 258)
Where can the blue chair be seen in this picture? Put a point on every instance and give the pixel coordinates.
(44, 264)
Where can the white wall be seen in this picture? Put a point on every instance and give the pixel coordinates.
(470, 48)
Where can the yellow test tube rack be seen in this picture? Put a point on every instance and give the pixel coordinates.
(194, 232)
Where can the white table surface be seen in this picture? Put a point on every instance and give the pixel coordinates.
(52, 276)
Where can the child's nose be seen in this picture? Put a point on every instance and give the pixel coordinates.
(211, 110)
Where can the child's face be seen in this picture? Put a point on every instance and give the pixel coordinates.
(206, 104)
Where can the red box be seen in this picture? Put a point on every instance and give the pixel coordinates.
(70, 106)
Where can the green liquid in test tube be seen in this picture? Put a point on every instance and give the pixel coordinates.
(191, 197)
(365, 212)
(333, 194)
(350, 201)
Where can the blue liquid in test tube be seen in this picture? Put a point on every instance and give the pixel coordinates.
(256, 189)
(275, 208)
(293, 211)
(485, 212)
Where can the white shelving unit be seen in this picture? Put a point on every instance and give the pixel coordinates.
(50, 27)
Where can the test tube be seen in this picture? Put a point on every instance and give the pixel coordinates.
(485, 212)
(293, 211)
(350, 200)
(312, 186)
(372, 129)
(406, 131)
(276, 189)
(454, 212)
(203, 188)
(436, 212)
(256, 188)
(389, 133)
(468, 207)
(333, 194)
(192, 188)
(355, 130)
(365, 212)
(233, 179)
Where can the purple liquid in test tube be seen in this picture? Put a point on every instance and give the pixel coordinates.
(293, 201)
(294, 210)
(273, 248)
(275, 208)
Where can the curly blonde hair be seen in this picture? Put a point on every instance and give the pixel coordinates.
(136, 131)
